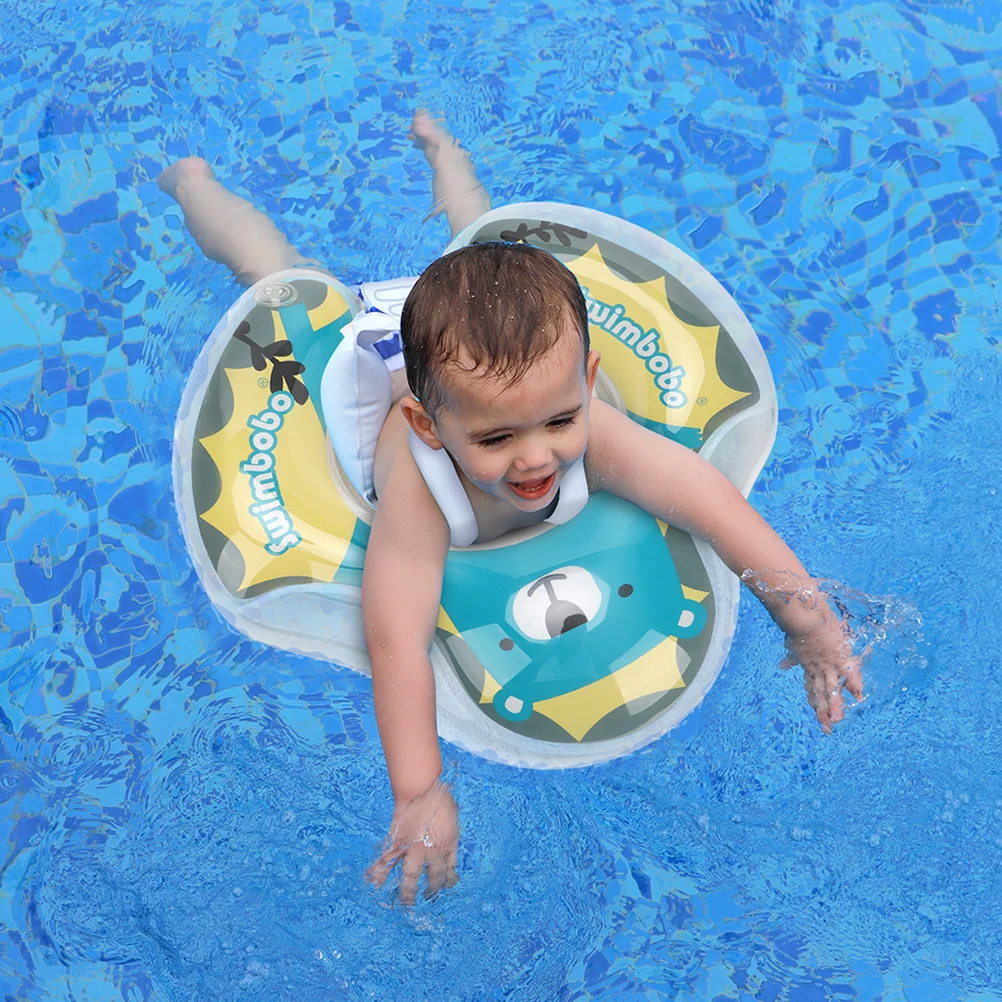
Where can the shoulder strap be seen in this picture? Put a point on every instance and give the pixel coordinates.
(443, 482)
(447, 490)
(572, 496)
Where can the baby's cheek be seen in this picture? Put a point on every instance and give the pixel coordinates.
(574, 448)
(482, 473)
(489, 475)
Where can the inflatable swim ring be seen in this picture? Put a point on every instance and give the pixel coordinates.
(278, 534)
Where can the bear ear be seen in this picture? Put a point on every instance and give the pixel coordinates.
(512, 707)
(691, 618)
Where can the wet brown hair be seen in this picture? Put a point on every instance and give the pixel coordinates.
(499, 303)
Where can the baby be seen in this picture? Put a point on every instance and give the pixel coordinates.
(500, 375)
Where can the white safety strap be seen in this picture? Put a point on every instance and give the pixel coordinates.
(572, 496)
(447, 490)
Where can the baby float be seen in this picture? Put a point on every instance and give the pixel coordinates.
(566, 644)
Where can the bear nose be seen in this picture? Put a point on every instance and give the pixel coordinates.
(556, 603)
(577, 619)
(561, 615)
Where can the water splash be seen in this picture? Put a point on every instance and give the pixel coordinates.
(885, 632)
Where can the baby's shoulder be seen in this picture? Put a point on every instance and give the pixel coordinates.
(609, 433)
(391, 449)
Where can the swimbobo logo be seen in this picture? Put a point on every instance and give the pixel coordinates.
(667, 377)
(259, 467)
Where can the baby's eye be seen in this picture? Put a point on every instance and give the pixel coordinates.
(562, 422)
(491, 443)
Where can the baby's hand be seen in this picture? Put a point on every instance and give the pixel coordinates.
(825, 653)
(424, 835)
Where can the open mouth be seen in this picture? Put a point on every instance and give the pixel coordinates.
(532, 490)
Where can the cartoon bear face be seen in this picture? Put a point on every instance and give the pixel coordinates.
(568, 607)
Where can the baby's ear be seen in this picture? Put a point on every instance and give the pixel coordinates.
(420, 421)
(591, 368)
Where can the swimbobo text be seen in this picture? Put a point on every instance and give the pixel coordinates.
(643, 344)
(268, 507)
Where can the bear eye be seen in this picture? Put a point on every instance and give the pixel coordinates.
(506, 644)
(625, 590)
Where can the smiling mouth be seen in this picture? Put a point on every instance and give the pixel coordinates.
(532, 490)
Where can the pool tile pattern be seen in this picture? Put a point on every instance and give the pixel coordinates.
(188, 814)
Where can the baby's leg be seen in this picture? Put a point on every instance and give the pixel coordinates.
(226, 227)
(454, 185)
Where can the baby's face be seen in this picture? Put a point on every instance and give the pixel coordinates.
(517, 442)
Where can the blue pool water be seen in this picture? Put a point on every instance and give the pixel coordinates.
(187, 815)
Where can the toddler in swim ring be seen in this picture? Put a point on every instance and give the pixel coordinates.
(499, 375)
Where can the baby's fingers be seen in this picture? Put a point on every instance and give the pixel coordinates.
(832, 700)
(854, 683)
(836, 707)
(818, 696)
(380, 870)
(413, 864)
(833, 696)
(437, 876)
(854, 676)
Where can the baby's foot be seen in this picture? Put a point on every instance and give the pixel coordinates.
(186, 169)
(431, 137)
(455, 188)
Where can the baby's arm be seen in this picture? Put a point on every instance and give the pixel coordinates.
(680, 487)
(401, 591)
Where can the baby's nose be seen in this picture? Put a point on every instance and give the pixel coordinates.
(534, 457)
(529, 464)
